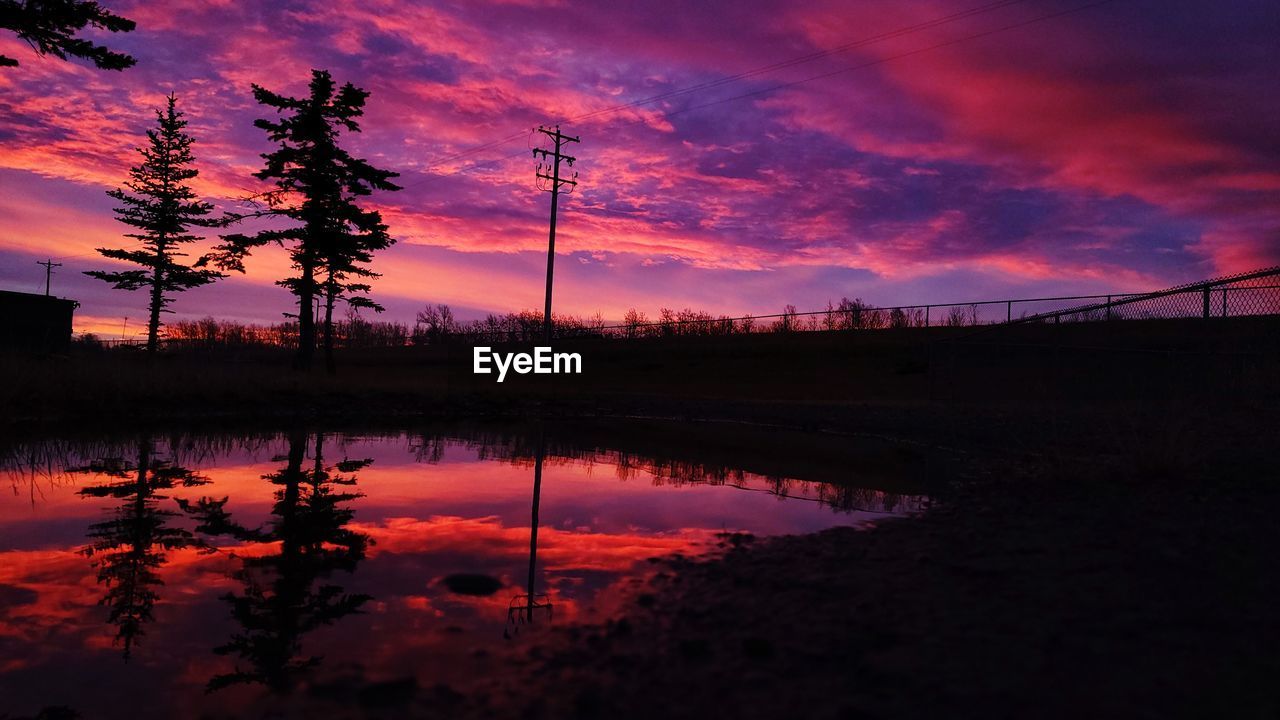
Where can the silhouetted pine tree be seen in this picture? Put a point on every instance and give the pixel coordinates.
(289, 592)
(50, 27)
(317, 185)
(158, 201)
(342, 274)
(130, 547)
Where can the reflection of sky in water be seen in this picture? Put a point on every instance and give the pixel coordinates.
(601, 517)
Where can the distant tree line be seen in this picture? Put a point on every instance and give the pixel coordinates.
(437, 324)
(351, 332)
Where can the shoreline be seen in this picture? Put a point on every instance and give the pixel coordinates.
(1019, 594)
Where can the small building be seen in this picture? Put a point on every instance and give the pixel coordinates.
(38, 323)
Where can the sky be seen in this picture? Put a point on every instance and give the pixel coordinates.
(923, 152)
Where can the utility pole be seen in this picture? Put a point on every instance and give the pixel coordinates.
(552, 183)
(49, 265)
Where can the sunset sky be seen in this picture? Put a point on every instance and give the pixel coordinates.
(1029, 147)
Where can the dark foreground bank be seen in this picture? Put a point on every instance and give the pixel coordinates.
(1041, 372)
(1023, 594)
(1104, 549)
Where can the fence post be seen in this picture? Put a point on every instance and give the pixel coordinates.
(1008, 311)
(1206, 302)
(1108, 307)
(926, 308)
(1224, 302)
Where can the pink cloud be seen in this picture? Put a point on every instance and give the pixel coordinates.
(1048, 155)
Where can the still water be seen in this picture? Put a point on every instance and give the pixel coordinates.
(243, 576)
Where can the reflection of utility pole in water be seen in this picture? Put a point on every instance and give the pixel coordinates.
(522, 608)
(533, 521)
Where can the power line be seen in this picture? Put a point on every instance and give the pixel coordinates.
(78, 255)
(466, 168)
(89, 253)
(479, 148)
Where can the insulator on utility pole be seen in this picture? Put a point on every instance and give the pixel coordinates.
(49, 265)
(548, 179)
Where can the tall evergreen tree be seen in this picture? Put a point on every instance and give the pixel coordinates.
(317, 185)
(345, 278)
(50, 27)
(158, 201)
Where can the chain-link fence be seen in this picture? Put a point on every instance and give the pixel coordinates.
(1087, 359)
(1252, 293)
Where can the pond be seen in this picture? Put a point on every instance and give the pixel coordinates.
(271, 573)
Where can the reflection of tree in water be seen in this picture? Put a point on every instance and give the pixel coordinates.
(428, 448)
(288, 591)
(677, 473)
(843, 498)
(129, 548)
(520, 449)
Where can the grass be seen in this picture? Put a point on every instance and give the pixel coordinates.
(1120, 372)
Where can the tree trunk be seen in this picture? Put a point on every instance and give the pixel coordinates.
(291, 584)
(319, 468)
(157, 296)
(328, 332)
(306, 317)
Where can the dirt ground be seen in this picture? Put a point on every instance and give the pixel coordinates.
(1035, 588)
